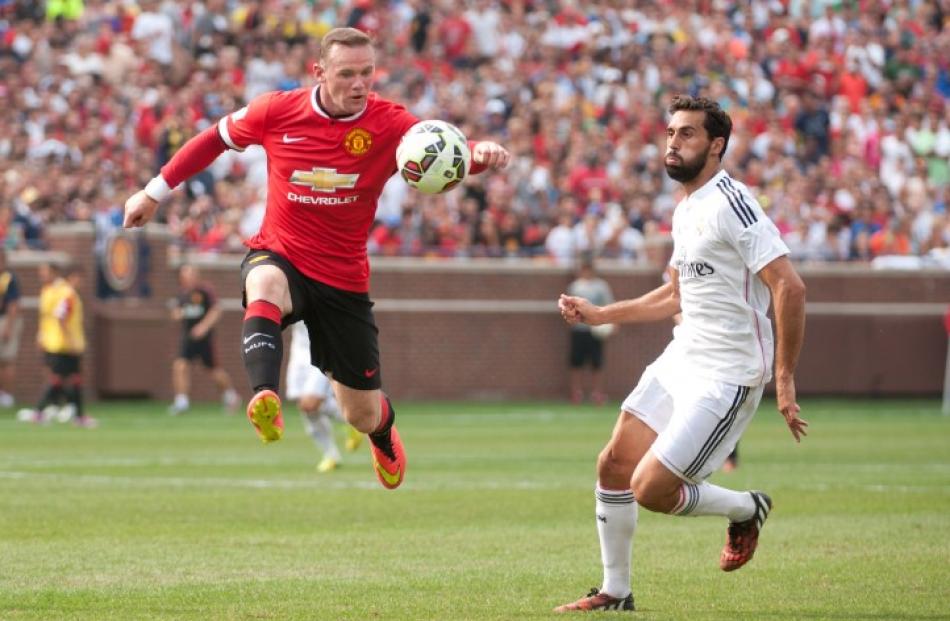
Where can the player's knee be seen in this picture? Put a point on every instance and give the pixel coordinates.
(652, 495)
(310, 403)
(613, 468)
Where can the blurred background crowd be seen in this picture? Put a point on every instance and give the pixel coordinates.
(842, 122)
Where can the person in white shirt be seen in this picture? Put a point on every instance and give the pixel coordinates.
(313, 393)
(692, 404)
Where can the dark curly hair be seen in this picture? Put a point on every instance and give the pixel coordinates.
(717, 123)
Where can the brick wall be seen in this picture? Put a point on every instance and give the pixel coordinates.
(490, 329)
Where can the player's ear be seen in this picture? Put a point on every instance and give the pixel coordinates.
(716, 146)
(318, 70)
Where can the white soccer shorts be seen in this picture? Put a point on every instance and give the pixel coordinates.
(698, 421)
(305, 379)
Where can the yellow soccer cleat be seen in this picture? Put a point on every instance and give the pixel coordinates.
(327, 464)
(353, 439)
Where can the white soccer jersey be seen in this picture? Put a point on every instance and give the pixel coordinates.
(721, 239)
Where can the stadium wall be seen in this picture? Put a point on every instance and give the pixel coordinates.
(489, 329)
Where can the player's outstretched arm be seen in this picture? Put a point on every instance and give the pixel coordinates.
(660, 303)
(196, 155)
(788, 298)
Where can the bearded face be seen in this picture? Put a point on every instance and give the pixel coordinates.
(684, 169)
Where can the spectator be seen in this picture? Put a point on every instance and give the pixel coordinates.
(11, 326)
(587, 343)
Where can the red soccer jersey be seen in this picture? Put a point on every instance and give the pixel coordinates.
(324, 178)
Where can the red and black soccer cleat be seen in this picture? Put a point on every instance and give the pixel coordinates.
(743, 537)
(596, 600)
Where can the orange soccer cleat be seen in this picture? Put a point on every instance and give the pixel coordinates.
(390, 465)
(596, 600)
(742, 538)
(264, 413)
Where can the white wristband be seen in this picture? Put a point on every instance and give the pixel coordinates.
(157, 189)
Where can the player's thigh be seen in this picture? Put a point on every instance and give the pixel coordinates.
(344, 339)
(709, 418)
(269, 276)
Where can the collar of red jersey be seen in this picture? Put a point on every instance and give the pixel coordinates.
(316, 108)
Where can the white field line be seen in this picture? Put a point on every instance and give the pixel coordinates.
(336, 484)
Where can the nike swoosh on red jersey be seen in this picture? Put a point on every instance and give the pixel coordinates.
(288, 139)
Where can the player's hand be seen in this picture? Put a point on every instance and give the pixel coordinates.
(785, 395)
(197, 333)
(491, 155)
(139, 209)
(577, 310)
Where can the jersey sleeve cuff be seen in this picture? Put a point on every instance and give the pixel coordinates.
(157, 189)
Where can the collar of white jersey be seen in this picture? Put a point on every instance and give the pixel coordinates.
(316, 108)
(709, 186)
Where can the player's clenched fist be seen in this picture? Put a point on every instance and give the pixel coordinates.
(490, 154)
(139, 209)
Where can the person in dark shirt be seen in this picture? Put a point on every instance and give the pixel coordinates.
(11, 325)
(197, 309)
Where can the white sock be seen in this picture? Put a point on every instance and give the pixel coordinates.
(322, 433)
(708, 499)
(181, 401)
(616, 523)
(229, 396)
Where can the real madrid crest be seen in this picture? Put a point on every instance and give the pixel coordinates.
(357, 141)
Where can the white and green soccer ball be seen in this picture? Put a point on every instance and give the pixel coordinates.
(433, 157)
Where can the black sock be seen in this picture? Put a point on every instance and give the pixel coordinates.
(74, 396)
(262, 346)
(51, 395)
(380, 436)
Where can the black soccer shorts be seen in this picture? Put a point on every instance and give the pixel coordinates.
(344, 339)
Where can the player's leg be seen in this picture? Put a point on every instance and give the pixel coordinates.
(371, 412)
(597, 394)
(577, 356)
(671, 478)
(320, 429)
(646, 410)
(732, 461)
(267, 296)
(344, 342)
(180, 383)
(52, 394)
(222, 379)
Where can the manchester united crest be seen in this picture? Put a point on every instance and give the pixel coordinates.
(357, 141)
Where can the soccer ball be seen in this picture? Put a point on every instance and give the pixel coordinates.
(433, 157)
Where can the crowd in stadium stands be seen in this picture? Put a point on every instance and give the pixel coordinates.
(841, 112)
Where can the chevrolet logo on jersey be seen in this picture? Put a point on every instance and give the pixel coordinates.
(324, 179)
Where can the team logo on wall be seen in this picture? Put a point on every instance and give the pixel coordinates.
(121, 261)
(357, 141)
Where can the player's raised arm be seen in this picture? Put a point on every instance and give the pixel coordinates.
(235, 131)
(788, 298)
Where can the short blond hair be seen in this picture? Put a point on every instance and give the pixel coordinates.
(349, 37)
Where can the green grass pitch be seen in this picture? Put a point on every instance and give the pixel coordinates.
(192, 518)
